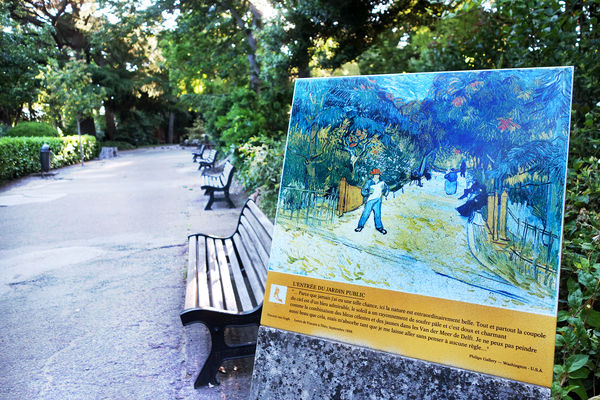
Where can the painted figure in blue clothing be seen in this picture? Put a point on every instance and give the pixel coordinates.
(373, 192)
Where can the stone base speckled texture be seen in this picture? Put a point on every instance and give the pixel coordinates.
(289, 365)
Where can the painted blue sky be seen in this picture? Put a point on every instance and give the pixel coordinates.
(406, 86)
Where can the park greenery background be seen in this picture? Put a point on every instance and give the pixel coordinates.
(128, 73)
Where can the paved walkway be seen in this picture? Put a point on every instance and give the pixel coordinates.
(91, 281)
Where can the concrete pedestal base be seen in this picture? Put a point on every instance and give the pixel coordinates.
(294, 366)
(108, 152)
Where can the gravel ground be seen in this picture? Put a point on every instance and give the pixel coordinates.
(92, 264)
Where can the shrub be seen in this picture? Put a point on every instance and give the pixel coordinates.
(68, 153)
(20, 156)
(259, 163)
(577, 358)
(138, 127)
(32, 129)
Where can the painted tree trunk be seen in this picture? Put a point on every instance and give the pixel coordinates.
(502, 216)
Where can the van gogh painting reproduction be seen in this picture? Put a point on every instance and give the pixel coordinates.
(448, 185)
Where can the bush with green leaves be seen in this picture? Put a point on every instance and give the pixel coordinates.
(32, 129)
(242, 121)
(138, 127)
(20, 156)
(259, 164)
(577, 357)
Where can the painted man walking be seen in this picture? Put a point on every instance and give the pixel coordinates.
(373, 192)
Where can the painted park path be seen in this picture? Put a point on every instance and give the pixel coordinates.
(425, 252)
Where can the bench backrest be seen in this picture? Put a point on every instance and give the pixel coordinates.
(227, 175)
(253, 236)
(230, 273)
(209, 155)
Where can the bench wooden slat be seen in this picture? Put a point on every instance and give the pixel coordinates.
(208, 180)
(228, 294)
(255, 226)
(214, 276)
(257, 248)
(209, 156)
(203, 293)
(191, 284)
(254, 237)
(254, 278)
(240, 284)
(266, 223)
(253, 249)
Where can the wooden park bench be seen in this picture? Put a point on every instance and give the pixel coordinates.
(198, 152)
(225, 285)
(207, 159)
(218, 183)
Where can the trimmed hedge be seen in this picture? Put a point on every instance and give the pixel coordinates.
(32, 129)
(20, 156)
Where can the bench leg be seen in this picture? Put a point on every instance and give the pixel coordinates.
(208, 374)
(231, 205)
(219, 352)
(211, 200)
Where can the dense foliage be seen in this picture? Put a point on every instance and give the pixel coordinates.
(261, 159)
(31, 128)
(20, 156)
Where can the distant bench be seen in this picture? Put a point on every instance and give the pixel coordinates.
(225, 285)
(218, 183)
(206, 159)
(198, 152)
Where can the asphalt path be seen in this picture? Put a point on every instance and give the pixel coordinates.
(92, 262)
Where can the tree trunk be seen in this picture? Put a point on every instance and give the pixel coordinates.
(171, 127)
(79, 134)
(304, 69)
(255, 82)
(88, 127)
(111, 128)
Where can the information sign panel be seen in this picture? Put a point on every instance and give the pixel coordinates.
(421, 214)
